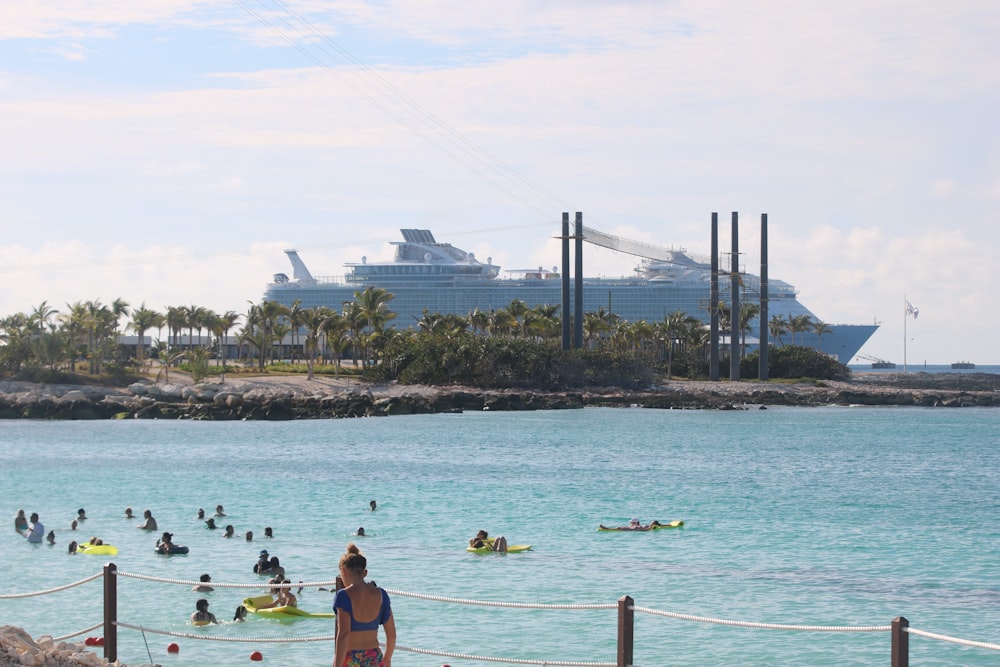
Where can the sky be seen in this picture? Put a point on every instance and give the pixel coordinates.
(165, 152)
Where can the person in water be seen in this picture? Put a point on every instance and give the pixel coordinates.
(51, 537)
(482, 539)
(81, 514)
(71, 549)
(201, 514)
(35, 531)
(73, 524)
(268, 533)
(20, 522)
(149, 523)
(283, 596)
(373, 505)
(165, 544)
(357, 642)
(204, 587)
(361, 531)
(230, 531)
(202, 615)
(249, 536)
(219, 511)
(263, 564)
(210, 523)
(128, 513)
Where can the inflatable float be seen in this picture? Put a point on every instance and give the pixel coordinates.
(96, 549)
(642, 529)
(173, 550)
(280, 613)
(512, 549)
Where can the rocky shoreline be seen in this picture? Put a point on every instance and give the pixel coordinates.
(291, 397)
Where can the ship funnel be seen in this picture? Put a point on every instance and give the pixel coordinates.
(300, 272)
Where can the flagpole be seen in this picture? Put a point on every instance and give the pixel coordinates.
(905, 315)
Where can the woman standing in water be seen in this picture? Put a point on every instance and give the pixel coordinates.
(357, 640)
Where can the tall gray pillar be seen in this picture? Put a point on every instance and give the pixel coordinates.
(713, 305)
(734, 313)
(764, 334)
(578, 300)
(565, 314)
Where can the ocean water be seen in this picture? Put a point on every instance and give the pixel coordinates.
(814, 516)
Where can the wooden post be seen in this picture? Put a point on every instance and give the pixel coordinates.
(626, 630)
(110, 612)
(900, 642)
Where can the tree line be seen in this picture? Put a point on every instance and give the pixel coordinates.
(515, 345)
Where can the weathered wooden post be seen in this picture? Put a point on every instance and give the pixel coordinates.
(626, 630)
(900, 642)
(110, 612)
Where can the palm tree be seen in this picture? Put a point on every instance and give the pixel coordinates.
(221, 325)
(748, 311)
(315, 320)
(144, 319)
(176, 319)
(821, 328)
(296, 320)
(799, 324)
(777, 327)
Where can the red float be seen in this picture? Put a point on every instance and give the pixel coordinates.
(256, 656)
(90, 641)
(172, 647)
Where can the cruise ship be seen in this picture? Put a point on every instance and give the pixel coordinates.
(426, 275)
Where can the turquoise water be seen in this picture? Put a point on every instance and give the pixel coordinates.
(825, 516)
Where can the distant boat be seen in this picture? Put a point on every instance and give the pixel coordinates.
(877, 363)
(963, 365)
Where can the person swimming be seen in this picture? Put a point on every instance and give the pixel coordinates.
(149, 523)
(230, 531)
(202, 616)
(128, 513)
(203, 587)
(482, 539)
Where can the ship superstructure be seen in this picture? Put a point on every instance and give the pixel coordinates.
(426, 275)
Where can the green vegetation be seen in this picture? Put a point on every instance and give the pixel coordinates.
(513, 346)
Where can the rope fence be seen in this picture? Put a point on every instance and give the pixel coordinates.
(899, 628)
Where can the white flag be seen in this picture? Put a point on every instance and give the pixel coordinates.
(911, 311)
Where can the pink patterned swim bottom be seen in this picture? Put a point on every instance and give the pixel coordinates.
(369, 657)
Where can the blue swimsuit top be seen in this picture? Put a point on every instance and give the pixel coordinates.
(343, 601)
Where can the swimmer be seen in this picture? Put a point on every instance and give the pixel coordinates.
(128, 513)
(165, 544)
(72, 524)
(203, 587)
(268, 533)
(202, 616)
(219, 511)
(81, 515)
(149, 523)
(361, 531)
(482, 540)
(210, 523)
(240, 615)
(71, 548)
(229, 531)
(35, 532)
(263, 564)
(20, 522)
(249, 536)
(373, 505)
(201, 514)
(51, 537)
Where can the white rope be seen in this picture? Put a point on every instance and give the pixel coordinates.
(766, 626)
(263, 584)
(953, 640)
(77, 634)
(248, 640)
(492, 603)
(512, 661)
(330, 638)
(12, 596)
